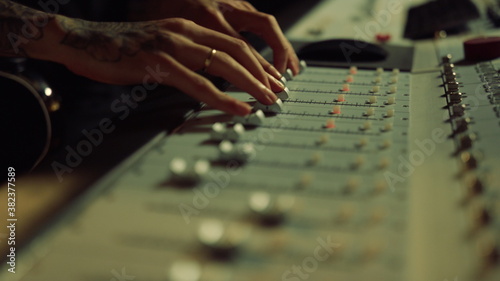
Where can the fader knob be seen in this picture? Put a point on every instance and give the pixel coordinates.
(302, 66)
(283, 80)
(222, 239)
(283, 95)
(254, 119)
(288, 74)
(276, 107)
(270, 209)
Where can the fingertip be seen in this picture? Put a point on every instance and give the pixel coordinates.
(294, 64)
(274, 72)
(241, 108)
(276, 85)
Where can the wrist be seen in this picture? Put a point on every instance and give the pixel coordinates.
(47, 43)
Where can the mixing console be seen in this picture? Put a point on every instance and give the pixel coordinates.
(263, 196)
(355, 173)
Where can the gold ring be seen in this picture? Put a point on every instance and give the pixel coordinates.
(209, 59)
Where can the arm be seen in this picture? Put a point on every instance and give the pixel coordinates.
(164, 52)
(23, 30)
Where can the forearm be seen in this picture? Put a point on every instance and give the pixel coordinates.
(26, 32)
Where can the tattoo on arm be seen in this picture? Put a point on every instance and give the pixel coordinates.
(110, 41)
(18, 26)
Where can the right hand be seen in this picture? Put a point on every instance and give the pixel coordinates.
(121, 53)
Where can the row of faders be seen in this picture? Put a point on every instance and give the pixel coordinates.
(310, 188)
(473, 95)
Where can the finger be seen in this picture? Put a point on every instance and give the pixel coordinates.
(267, 27)
(236, 48)
(194, 56)
(220, 24)
(202, 89)
(276, 85)
(225, 66)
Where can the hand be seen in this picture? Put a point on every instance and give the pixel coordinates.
(126, 53)
(229, 17)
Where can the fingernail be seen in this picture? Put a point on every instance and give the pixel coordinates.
(274, 72)
(270, 96)
(277, 82)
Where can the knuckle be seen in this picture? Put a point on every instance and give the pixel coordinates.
(180, 25)
(200, 84)
(225, 58)
(268, 19)
(240, 44)
(210, 11)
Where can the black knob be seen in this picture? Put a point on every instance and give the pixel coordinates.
(457, 110)
(455, 98)
(461, 125)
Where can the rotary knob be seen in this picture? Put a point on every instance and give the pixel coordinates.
(455, 97)
(240, 152)
(450, 76)
(469, 161)
(461, 125)
(446, 59)
(222, 239)
(452, 86)
(219, 132)
(447, 67)
(187, 173)
(270, 209)
(457, 110)
(467, 141)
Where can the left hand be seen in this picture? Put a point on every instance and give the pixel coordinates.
(230, 17)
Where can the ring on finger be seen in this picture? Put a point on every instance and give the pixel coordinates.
(209, 59)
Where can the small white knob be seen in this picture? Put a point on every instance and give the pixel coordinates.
(288, 74)
(283, 95)
(273, 108)
(302, 66)
(235, 133)
(218, 131)
(254, 119)
(188, 173)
